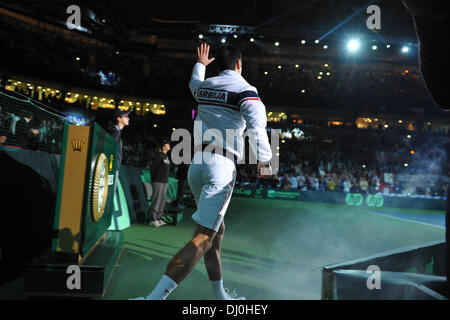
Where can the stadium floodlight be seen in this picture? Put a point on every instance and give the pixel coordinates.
(388, 46)
(325, 47)
(223, 40)
(252, 39)
(303, 42)
(353, 45)
(277, 44)
(374, 47)
(316, 41)
(235, 36)
(200, 36)
(405, 49)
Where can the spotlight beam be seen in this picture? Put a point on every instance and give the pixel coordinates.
(343, 22)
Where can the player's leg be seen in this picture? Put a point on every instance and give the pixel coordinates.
(186, 259)
(213, 260)
(182, 263)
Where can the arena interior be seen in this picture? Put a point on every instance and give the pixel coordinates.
(362, 154)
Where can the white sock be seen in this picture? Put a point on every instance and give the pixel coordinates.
(162, 290)
(218, 289)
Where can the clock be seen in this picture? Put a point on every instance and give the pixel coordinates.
(99, 187)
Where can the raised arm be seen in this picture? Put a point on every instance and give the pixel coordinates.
(198, 73)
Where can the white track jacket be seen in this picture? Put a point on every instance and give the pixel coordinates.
(227, 105)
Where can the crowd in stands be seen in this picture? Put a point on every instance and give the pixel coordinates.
(362, 161)
(344, 159)
(31, 129)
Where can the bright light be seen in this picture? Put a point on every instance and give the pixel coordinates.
(277, 44)
(405, 49)
(374, 47)
(316, 41)
(297, 66)
(266, 73)
(321, 73)
(279, 67)
(400, 121)
(326, 65)
(353, 45)
(408, 136)
(325, 47)
(319, 77)
(235, 36)
(303, 91)
(328, 73)
(405, 164)
(388, 46)
(252, 39)
(303, 41)
(200, 36)
(77, 58)
(223, 40)
(386, 126)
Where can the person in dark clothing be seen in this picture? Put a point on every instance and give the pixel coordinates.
(159, 171)
(121, 120)
(26, 134)
(4, 127)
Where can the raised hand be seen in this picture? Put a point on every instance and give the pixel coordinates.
(203, 53)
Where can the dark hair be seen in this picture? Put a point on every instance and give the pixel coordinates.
(27, 114)
(227, 56)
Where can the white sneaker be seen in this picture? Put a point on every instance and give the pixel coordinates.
(155, 224)
(162, 223)
(233, 295)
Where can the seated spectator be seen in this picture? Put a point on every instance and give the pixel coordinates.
(26, 134)
(285, 181)
(331, 185)
(346, 185)
(292, 182)
(363, 185)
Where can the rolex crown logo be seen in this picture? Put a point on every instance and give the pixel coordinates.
(77, 145)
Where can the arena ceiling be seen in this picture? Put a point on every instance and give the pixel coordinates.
(184, 18)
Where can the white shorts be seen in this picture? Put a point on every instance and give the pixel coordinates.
(211, 178)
